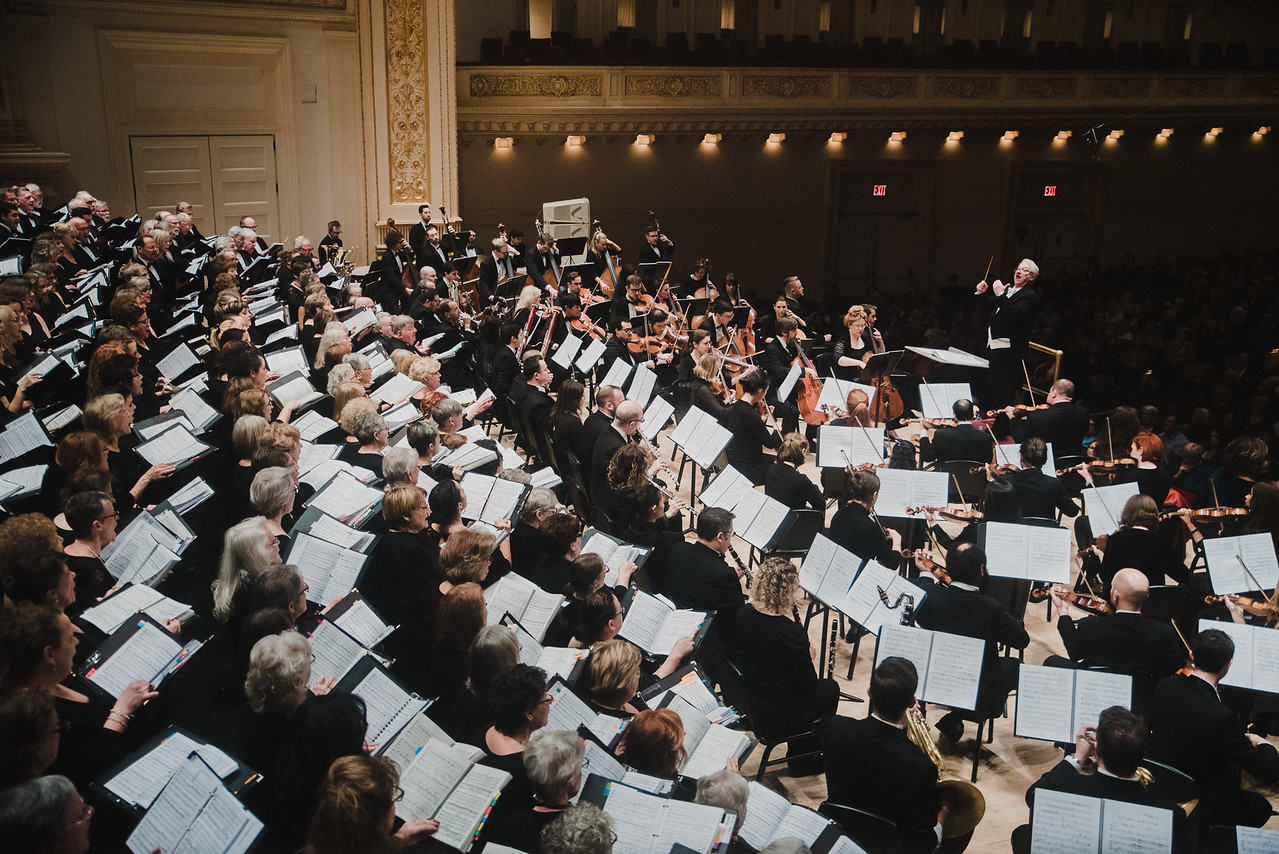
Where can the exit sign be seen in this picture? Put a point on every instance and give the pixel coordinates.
(1050, 190)
(880, 190)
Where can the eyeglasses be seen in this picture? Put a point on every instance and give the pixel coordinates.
(115, 515)
(85, 815)
(548, 699)
(399, 795)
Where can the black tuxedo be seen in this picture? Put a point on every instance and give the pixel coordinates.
(962, 442)
(853, 528)
(652, 253)
(535, 407)
(700, 580)
(433, 257)
(1192, 730)
(593, 426)
(417, 239)
(491, 275)
(601, 454)
(537, 264)
(390, 292)
(615, 348)
(1010, 318)
(505, 370)
(1126, 642)
(327, 245)
(971, 614)
(1040, 495)
(873, 766)
(791, 487)
(1063, 425)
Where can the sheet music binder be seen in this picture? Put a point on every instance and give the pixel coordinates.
(697, 637)
(179, 653)
(713, 826)
(1079, 695)
(351, 682)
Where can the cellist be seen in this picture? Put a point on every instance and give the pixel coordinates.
(776, 360)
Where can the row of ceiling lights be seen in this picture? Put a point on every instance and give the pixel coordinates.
(838, 137)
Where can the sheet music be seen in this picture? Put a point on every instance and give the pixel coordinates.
(937, 400)
(61, 418)
(1256, 840)
(788, 383)
(643, 382)
(567, 351)
(287, 361)
(839, 447)
(717, 744)
(804, 823)
(954, 670)
(336, 569)
(1027, 551)
(903, 488)
(146, 652)
(192, 495)
(816, 564)
(560, 661)
(953, 356)
(194, 408)
(643, 622)
(288, 333)
(18, 482)
(294, 387)
(1134, 829)
(333, 652)
(313, 456)
(360, 321)
(179, 360)
(361, 622)
(1104, 504)
(398, 387)
(466, 806)
(404, 747)
(1256, 664)
(763, 527)
(657, 413)
(722, 491)
(907, 642)
(590, 356)
(312, 425)
(863, 603)
(345, 497)
(1224, 570)
(568, 711)
(140, 783)
(617, 374)
(113, 612)
(195, 813)
(175, 445)
(161, 423)
(388, 706)
(511, 593)
(404, 413)
(331, 530)
(1045, 704)
(489, 498)
(22, 435)
(765, 811)
(835, 393)
(678, 624)
(1065, 824)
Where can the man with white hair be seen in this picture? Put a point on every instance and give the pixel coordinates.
(1007, 338)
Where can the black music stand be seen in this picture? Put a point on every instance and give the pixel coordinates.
(879, 368)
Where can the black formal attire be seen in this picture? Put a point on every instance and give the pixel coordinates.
(773, 655)
(528, 545)
(961, 442)
(390, 290)
(502, 377)
(704, 581)
(326, 248)
(704, 398)
(492, 273)
(615, 348)
(651, 253)
(1144, 550)
(537, 263)
(792, 487)
(1062, 425)
(1010, 319)
(1192, 730)
(402, 575)
(872, 765)
(852, 527)
(607, 444)
(592, 428)
(967, 612)
(567, 433)
(843, 347)
(1040, 495)
(745, 451)
(1154, 482)
(1125, 641)
(776, 359)
(535, 406)
(417, 239)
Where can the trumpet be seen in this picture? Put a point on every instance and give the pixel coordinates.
(967, 803)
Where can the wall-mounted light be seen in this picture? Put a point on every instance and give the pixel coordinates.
(897, 136)
(955, 136)
(644, 139)
(1164, 134)
(1010, 135)
(837, 137)
(776, 138)
(1213, 133)
(1063, 135)
(574, 141)
(502, 143)
(1114, 135)
(712, 138)
(1262, 131)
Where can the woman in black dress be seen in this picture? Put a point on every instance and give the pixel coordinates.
(784, 481)
(849, 353)
(520, 708)
(1137, 544)
(566, 415)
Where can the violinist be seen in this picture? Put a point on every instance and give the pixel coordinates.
(719, 324)
(961, 442)
(776, 359)
(1125, 640)
(1038, 494)
(659, 343)
(1243, 464)
(581, 325)
(856, 411)
(1063, 424)
(784, 481)
(1139, 545)
(618, 344)
(856, 527)
(850, 352)
(766, 327)
(657, 246)
(665, 300)
(707, 390)
(1150, 474)
(746, 420)
(999, 504)
(632, 301)
(699, 344)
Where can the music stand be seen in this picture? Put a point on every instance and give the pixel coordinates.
(653, 274)
(879, 368)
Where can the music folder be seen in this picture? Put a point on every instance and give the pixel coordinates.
(1054, 702)
(140, 649)
(135, 782)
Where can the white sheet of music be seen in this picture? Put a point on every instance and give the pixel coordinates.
(331, 530)
(1045, 704)
(839, 578)
(903, 488)
(289, 333)
(296, 388)
(287, 361)
(179, 360)
(719, 492)
(195, 813)
(1226, 573)
(804, 823)
(174, 418)
(142, 656)
(657, 413)
(706, 444)
(862, 599)
(333, 652)
(1256, 663)
(1064, 824)
(1256, 840)
(910, 643)
(192, 495)
(511, 593)
(618, 373)
(643, 621)
(23, 434)
(567, 351)
(1096, 692)
(1104, 504)
(362, 319)
(409, 740)
(835, 393)
(765, 810)
(643, 382)
(590, 356)
(345, 496)
(838, 447)
(24, 480)
(568, 711)
(398, 387)
(954, 670)
(62, 418)
(1134, 829)
(312, 425)
(361, 622)
(763, 527)
(313, 455)
(1028, 551)
(844, 845)
(816, 563)
(430, 777)
(175, 445)
(140, 783)
(937, 400)
(193, 406)
(466, 805)
(388, 708)
(342, 565)
(788, 382)
(112, 613)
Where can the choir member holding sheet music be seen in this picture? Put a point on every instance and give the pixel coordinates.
(1192, 730)
(1104, 765)
(856, 527)
(520, 708)
(872, 765)
(355, 810)
(553, 765)
(961, 608)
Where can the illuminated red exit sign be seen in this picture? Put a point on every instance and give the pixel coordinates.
(1050, 190)
(880, 190)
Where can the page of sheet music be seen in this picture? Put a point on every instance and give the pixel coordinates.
(606, 728)
(312, 425)
(388, 707)
(193, 406)
(643, 382)
(464, 808)
(656, 415)
(112, 613)
(416, 733)
(21, 435)
(1096, 692)
(503, 500)
(568, 711)
(334, 568)
(130, 548)
(176, 809)
(816, 563)
(175, 445)
(429, 777)
(862, 600)
(954, 670)
(298, 388)
(192, 495)
(511, 593)
(693, 825)
(1049, 555)
(636, 821)
(900, 489)
(788, 382)
(838, 447)
(768, 518)
(62, 418)
(1062, 823)
(839, 578)
(333, 652)
(937, 400)
(540, 611)
(1134, 829)
(287, 361)
(140, 783)
(708, 444)
(1256, 840)
(618, 373)
(398, 387)
(913, 644)
(26, 479)
(844, 845)
(154, 566)
(720, 491)
(599, 761)
(765, 810)
(1006, 549)
(678, 624)
(590, 356)
(1045, 703)
(331, 530)
(716, 746)
(361, 622)
(694, 692)
(807, 824)
(317, 463)
(644, 620)
(289, 333)
(567, 351)
(142, 656)
(179, 360)
(1254, 664)
(835, 393)
(687, 425)
(345, 497)
(558, 660)
(1224, 570)
(162, 423)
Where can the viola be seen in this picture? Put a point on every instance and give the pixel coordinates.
(1019, 411)
(1252, 606)
(925, 559)
(1209, 513)
(995, 469)
(1092, 604)
(588, 328)
(962, 515)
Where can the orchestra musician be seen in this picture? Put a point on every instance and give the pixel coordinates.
(417, 234)
(784, 481)
(432, 254)
(698, 285)
(850, 352)
(718, 322)
(631, 301)
(328, 244)
(793, 288)
(543, 257)
(1038, 494)
(390, 290)
(776, 359)
(856, 527)
(876, 339)
(745, 419)
(960, 442)
(598, 253)
(493, 269)
(766, 326)
(1063, 424)
(703, 386)
(1008, 333)
(656, 247)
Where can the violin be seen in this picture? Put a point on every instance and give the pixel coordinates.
(1019, 411)
(580, 324)
(922, 557)
(1208, 513)
(995, 469)
(962, 515)
(1092, 604)
(1252, 606)
(1099, 545)
(1102, 466)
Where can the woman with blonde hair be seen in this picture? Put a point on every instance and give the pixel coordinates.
(613, 670)
(12, 389)
(849, 354)
(248, 548)
(111, 417)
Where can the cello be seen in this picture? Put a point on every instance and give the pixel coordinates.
(810, 392)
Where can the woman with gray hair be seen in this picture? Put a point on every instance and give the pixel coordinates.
(248, 547)
(553, 762)
(276, 687)
(728, 790)
(359, 363)
(371, 437)
(341, 373)
(272, 494)
(335, 332)
(581, 829)
(400, 465)
(45, 816)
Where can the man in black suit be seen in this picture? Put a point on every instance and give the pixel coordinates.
(963, 609)
(626, 301)
(331, 241)
(1195, 732)
(1063, 424)
(1117, 749)
(1037, 493)
(85, 256)
(607, 399)
(540, 258)
(1125, 640)
(417, 234)
(961, 442)
(656, 246)
(704, 581)
(616, 346)
(718, 321)
(432, 254)
(872, 765)
(1012, 308)
(493, 269)
(535, 402)
(160, 270)
(390, 288)
(506, 365)
(10, 221)
(776, 360)
(855, 527)
(627, 419)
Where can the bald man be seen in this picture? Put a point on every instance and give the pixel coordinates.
(1124, 641)
(627, 419)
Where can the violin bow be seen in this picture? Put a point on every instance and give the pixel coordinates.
(960, 490)
(1260, 586)
(1030, 389)
(1110, 441)
(1189, 651)
(871, 442)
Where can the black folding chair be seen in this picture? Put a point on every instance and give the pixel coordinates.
(872, 832)
(733, 688)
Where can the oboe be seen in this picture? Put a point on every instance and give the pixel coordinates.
(741, 567)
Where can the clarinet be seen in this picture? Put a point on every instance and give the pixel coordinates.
(834, 642)
(746, 573)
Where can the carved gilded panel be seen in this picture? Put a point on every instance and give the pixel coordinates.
(406, 99)
(1046, 87)
(967, 87)
(675, 85)
(883, 87)
(1195, 87)
(1120, 87)
(787, 86)
(542, 85)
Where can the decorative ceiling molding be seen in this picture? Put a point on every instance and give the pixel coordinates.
(675, 85)
(1047, 88)
(882, 86)
(1120, 87)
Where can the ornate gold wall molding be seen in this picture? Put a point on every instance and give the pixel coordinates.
(540, 85)
(1120, 87)
(675, 85)
(317, 11)
(406, 100)
(787, 86)
(1195, 87)
(967, 87)
(1047, 88)
(883, 86)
